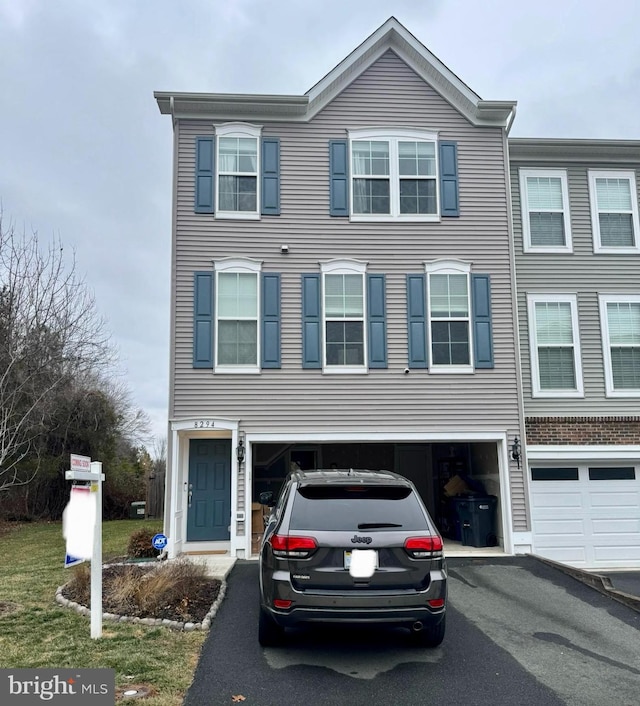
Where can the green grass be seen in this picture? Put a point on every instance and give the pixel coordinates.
(42, 633)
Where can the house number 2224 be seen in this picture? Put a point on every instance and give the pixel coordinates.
(203, 424)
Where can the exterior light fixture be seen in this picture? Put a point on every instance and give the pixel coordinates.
(515, 451)
(240, 451)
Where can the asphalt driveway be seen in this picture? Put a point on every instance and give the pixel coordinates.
(519, 632)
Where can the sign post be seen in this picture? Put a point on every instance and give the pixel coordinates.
(83, 469)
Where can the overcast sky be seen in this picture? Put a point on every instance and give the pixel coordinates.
(86, 156)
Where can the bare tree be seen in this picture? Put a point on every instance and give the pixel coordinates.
(50, 333)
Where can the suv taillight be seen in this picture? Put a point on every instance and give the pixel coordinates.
(287, 547)
(423, 547)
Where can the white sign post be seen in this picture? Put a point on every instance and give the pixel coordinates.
(83, 469)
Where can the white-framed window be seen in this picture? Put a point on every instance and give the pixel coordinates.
(546, 223)
(238, 170)
(620, 321)
(449, 316)
(344, 316)
(237, 308)
(556, 368)
(614, 211)
(394, 175)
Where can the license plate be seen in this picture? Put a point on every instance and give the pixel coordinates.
(347, 559)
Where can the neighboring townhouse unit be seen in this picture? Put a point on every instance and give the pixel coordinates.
(577, 245)
(342, 292)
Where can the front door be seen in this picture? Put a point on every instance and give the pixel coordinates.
(209, 511)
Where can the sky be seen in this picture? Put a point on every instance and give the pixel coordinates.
(86, 157)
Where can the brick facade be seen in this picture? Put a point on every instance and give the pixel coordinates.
(583, 431)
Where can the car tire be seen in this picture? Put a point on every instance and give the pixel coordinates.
(270, 634)
(431, 635)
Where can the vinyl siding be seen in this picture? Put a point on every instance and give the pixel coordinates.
(583, 273)
(298, 400)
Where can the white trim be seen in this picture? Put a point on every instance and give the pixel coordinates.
(238, 265)
(450, 267)
(246, 131)
(603, 300)
(392, 136)
(238, 129)
(345, 267)
(582, 453)
(595, 221)
(182, 432)
(527, 245)
(572, 300)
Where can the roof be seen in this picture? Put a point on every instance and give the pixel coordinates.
(570, 150)
(391, 36)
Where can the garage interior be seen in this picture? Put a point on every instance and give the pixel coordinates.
(443, 473)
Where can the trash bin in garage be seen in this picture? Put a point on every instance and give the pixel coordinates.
(137, 510)
(477, 517)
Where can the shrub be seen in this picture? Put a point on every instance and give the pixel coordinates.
(140, 546)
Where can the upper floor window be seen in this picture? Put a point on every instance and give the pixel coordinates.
(545, 210)
(556, 369)
(614, 211)
(344, 316)
(620, 317)
(449, 313)
(394, 174)
(238, 167)
(237, 308)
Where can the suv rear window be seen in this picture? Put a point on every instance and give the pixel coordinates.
(357, 507)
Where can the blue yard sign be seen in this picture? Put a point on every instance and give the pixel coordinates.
(159, 542)
(71, 560)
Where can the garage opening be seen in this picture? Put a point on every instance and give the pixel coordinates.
(452, 478)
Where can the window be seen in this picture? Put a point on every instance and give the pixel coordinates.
(620, 317)
(556, 369)
(394, 175)
(623, 473)
(237, 309)
(238, 169)
(344, 316)
(448, 306)
(554, 474)
(614, 211)
(545, 210)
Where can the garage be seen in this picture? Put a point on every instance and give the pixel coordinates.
(587, 514)
(434, 468)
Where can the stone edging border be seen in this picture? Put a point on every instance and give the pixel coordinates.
(154, 622)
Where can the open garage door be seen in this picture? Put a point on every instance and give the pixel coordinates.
(587, 516)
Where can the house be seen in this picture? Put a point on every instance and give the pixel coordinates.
(577, 254)
(342, 293)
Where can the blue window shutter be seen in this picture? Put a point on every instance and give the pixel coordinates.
(204, 175)
(417, 321)
(449, 204)
(203, 320)
(339, 178)
(311, 322)
(270, 176)
(377, 321)
(271, 320)
(482, 336)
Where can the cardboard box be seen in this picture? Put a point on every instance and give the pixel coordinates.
(257, 523)
(456, 486)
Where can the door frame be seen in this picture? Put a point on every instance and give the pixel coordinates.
(181, 432)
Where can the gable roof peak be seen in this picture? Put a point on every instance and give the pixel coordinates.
(393, 35)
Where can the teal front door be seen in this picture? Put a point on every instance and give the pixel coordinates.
(209, 511)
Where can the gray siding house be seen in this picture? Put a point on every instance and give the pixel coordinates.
(577, 249)
(342, 293)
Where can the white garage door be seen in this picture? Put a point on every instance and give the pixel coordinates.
(587, 516)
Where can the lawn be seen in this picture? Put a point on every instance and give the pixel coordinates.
(41, 633)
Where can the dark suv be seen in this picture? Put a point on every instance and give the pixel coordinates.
(351, 546)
